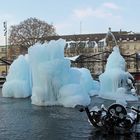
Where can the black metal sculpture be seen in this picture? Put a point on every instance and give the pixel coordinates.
(115, 118)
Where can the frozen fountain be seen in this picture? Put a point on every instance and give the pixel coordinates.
(46, 75)
(116, 83)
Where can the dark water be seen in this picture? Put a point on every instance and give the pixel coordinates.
(20, 120)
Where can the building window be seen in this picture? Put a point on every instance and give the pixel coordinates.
(135, 38)
(3, 49)
(91, 44)
(127, 39)
(127, 46)
(101, 44)
(72, 45)
(128, 65)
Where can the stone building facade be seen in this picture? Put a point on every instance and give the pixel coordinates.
(3, 67)
(93, 50)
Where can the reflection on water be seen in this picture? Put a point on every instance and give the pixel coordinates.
(20, 120)
(97, 135)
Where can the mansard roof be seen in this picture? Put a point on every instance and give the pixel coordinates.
(95, 37)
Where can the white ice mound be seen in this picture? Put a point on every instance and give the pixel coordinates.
(50, 79)
(18, 79)
(115, 82)
(72, 95)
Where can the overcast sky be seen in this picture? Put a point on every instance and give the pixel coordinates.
(93, 16)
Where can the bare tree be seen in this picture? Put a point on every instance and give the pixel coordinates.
(29, 32)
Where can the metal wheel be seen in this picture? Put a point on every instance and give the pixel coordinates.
(117, 110)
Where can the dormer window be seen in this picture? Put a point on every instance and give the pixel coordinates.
(135, 38)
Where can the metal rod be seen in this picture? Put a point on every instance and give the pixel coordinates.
(5, 34)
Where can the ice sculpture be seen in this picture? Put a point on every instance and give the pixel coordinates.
(48, 77)
(116, 83)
